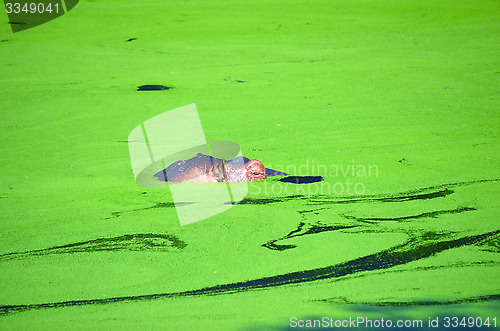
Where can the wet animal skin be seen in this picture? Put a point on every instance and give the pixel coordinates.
(207, 169)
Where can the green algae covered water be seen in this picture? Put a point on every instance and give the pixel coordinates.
(394, 103)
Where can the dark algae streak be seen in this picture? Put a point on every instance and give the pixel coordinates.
(129, 242)
(420, 244)
(412, 250)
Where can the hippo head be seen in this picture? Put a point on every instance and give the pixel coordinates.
(255, 170)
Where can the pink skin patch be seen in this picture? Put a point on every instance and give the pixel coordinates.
(255, 170)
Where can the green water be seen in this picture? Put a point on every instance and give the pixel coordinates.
(408, 88)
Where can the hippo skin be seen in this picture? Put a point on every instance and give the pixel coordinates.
(207, 169)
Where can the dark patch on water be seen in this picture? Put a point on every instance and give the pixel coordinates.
(431, 192)
(240, 81)
(491, 244)
(154, 88)
(131, 39)
(11, 22)
(301, 179)
(264, 201)
(416, 302)
(276, 247)
(329, 200)
(410, 251)
(127, 242)
(158, 205)
(4, 40)
(433, 214)
(300, 231)
(114, 214)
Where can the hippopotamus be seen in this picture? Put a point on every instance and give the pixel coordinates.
(207, 169)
